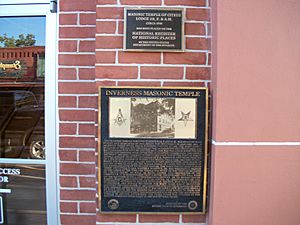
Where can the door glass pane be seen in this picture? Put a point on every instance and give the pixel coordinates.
(22, 73)
(23, 194)
(22, 129)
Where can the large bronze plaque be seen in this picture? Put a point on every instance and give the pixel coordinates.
(153, 149)
(154, 29)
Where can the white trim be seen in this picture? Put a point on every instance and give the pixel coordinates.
(217, 143)
(5, 191)
(51, 116)
(18, 2)
(1, 208)
(23, 161)
(24, 10)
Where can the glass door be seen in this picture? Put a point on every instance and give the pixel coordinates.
(26, 146)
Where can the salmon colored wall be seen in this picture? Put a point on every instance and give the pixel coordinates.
(258, 77)
(256, 185)
(255, 177)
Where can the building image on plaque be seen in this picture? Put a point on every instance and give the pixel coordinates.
(152, 117)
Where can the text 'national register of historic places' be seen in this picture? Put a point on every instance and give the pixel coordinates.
(154, 29)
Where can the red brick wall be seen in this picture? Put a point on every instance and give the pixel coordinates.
(90, 54)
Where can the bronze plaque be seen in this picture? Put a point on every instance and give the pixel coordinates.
(153, 149)
(154, 29)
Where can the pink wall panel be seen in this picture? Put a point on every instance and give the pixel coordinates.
(255, 185)
(256, 70)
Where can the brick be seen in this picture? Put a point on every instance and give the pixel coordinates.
(87, 129)
(105, 83)
(194, 29)
(106, 27)
(77, 32)
(78, 219)
(66, 73)
(194, 218)
(198, 73)
(110, 13)
(117, 72)
(133, 57)
(68, 155)
(130, 218)
(86, 73)
(77, 142)
(77, 168)
(76, 88)
(139, 83)
(107, 2)
(68, 207)
(66, 101)
(87, 156)
(159, 72)
(209, 90)
(68, 181)
(140, 2)
(76, 60)
(186, 2)
(76, 115)
(77, 195)
(77, 5)
(197, 43)
(155, 218)
(105, 57)
(208, 31)
(67, 128)
(67, 46)
(87, 207)
(197, 14)
(87, 101)
(87, 46)
(121, 27)
(185, 58)
(109, 42)
(87, 18)
(68, 19)
(184, 84)
(209, 59)
(87, 182)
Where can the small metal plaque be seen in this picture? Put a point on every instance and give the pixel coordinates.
(154, 29)
(153, 149)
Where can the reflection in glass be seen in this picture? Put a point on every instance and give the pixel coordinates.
(22, 122)
(22, 73)
(26, 203)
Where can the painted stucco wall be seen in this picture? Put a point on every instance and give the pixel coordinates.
(256, 113)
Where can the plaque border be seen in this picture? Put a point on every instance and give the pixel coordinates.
(183, 19)
(205, 181)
